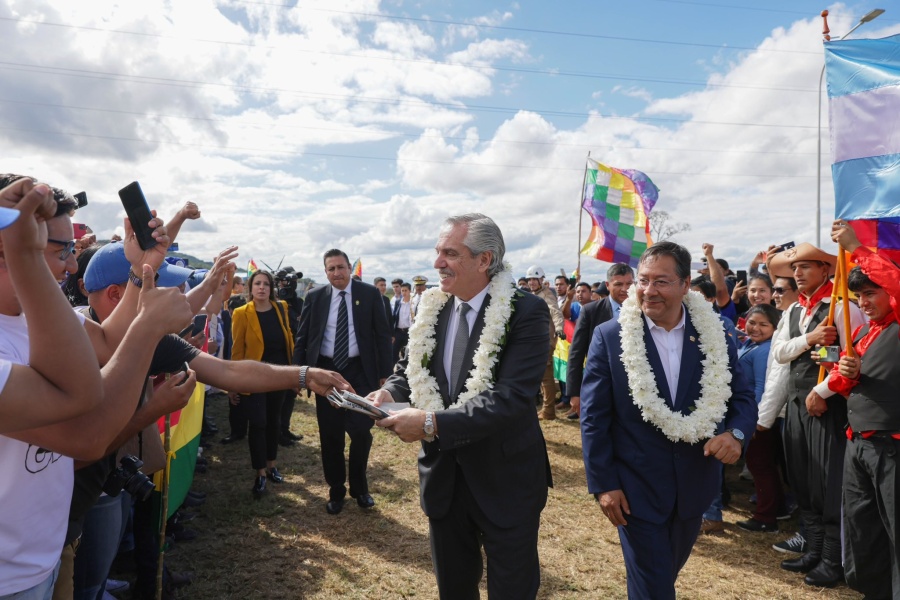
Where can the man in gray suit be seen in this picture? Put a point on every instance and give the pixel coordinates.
(483, 465)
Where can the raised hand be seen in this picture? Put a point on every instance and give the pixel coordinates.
(167, 308)
(153, 256)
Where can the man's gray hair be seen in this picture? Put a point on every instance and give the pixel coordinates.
(482, 235)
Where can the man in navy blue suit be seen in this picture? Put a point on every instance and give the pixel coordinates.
(654, 486)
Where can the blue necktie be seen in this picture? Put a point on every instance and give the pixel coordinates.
(342, 336)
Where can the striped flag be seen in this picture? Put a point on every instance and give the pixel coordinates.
(619, 201)
(561, 353)
(251, 268)
(357, 268)
(184, 426)
(864, 106)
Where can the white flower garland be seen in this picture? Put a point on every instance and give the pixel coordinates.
(423, 386)
(710, 408)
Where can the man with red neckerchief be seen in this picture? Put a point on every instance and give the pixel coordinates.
(814, 439)
(870, 381)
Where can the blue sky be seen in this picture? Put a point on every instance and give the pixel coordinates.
(361, 124)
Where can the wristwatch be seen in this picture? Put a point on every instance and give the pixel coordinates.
(737, 433)
(138, 280)
(429, 427)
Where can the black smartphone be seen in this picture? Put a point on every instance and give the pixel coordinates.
(138, 213)
(81, 198)
(783, 247)
(741, 277)
(199, 324)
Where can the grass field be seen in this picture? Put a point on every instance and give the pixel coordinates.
(286, 547)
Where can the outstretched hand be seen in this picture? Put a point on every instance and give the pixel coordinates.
(321, 381)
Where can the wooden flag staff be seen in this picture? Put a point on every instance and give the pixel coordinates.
(840, 290)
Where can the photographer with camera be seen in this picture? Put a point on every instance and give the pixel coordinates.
(286, 280)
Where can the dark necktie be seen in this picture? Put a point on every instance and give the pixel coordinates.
(460, 342)
(342, 336)
(396, 319)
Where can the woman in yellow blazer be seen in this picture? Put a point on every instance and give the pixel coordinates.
(261, 331)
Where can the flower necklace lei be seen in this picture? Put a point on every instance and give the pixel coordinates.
(710, 408)
(422, 384)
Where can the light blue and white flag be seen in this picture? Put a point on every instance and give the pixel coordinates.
(864, 102)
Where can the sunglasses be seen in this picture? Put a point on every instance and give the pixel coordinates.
(779, 290)
(68, 248)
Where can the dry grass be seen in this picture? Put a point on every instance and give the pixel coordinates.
(285, 546)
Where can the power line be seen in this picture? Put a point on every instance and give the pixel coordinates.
(378, 158)
(186, 83)
(432, 63)
(361, 131)
(521, 29)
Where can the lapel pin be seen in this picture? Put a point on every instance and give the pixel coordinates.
(692, 338)
(357, 302)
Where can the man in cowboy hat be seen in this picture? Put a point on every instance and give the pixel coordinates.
(814, 437)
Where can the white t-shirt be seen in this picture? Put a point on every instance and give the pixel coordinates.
(35, 488)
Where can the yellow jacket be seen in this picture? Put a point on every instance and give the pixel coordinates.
(247, 334)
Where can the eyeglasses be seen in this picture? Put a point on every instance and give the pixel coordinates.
(778, 290)
(68, 248)
(659, 284)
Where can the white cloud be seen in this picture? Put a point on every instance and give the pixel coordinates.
(265, 115)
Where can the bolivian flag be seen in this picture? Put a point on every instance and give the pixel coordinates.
(561, 354)
(185, 426)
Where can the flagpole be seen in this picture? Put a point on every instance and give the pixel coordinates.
(581, 213)
(164, 506)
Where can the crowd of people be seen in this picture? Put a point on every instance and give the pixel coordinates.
(669, 387)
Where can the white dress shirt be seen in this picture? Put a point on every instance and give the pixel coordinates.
(327, 349)
(669, 345)
(475, 304)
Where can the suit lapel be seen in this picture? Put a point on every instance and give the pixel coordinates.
(656, 364)
(690, 362)
(437, 361)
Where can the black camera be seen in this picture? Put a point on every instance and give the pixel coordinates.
(286, 279)
(128, 477)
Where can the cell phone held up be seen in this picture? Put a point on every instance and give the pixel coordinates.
(139, 215)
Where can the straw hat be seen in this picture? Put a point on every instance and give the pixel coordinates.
(780, 264)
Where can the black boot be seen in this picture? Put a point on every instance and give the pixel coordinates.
(829, 572)
(826, 574)
(815, 539)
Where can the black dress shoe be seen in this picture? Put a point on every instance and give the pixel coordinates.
(804, 564)
(285, 441)
(274, 476)
(231, 438)
(334, 506)
(365, 500)
(259, 487)
(292, 436)
(826, 574)
(197, 495)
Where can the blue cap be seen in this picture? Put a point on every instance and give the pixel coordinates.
(8, 216)
(109, 267)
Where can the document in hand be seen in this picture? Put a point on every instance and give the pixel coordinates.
(350, 401)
